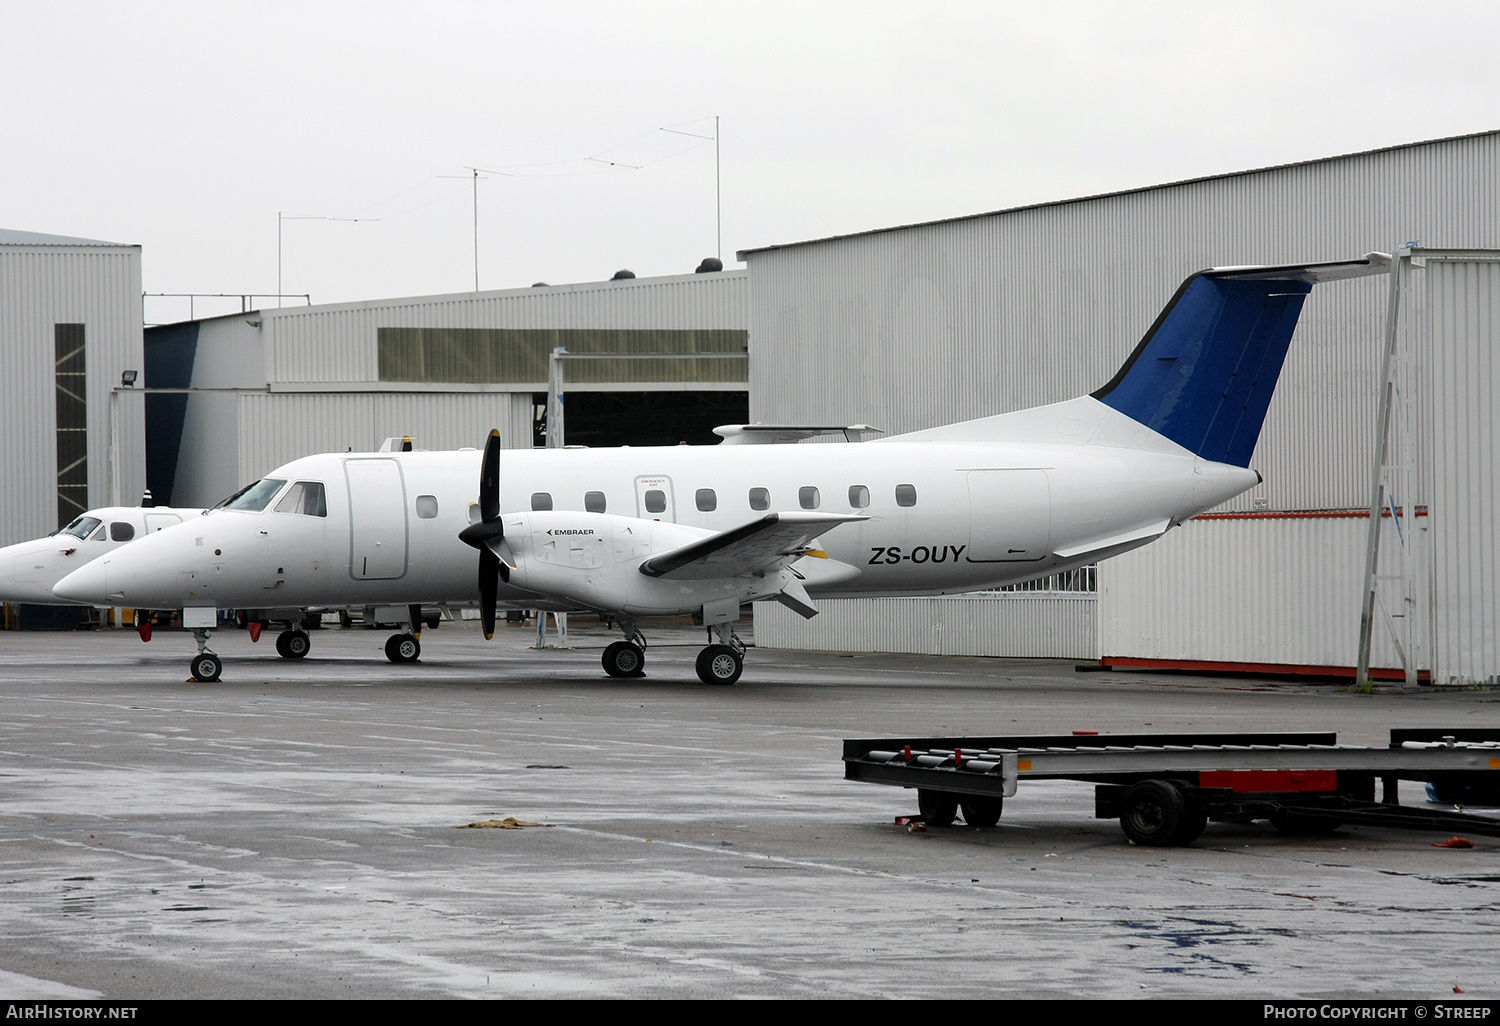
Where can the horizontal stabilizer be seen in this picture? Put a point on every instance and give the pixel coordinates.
(771, 434)
(761, 546)
(1204, 373)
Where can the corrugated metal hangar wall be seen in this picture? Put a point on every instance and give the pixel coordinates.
(266, 387)
(70, 324)
(928, 324)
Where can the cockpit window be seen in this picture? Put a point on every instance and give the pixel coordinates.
(82, 527)
(253, 497)
(120, 531)
(305, 497)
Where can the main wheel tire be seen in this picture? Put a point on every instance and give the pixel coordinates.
(1153, 813)
(720, 664)
(292, 644)
(622, 659)
(981, 812)
(206, 667)
(938, 808)
(402, 648)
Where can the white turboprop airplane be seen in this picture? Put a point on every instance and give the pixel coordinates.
(30, 570)
(637, 532)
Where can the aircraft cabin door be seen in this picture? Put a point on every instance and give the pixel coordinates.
(653, 499)
(1010, 516)
(377, 519)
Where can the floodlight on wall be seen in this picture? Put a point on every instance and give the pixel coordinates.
(127, 378)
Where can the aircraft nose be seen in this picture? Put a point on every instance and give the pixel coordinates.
(88, 584)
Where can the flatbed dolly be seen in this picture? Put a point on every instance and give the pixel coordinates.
(1164, 788)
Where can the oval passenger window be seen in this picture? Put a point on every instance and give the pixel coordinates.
(656, 500)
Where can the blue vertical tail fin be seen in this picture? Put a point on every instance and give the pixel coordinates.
(1204, 373)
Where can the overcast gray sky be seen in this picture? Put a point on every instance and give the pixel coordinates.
(186, 127)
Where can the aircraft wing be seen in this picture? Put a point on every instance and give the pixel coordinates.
(761, 546)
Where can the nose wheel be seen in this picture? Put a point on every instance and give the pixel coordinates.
(293, 644)
(402, 648)
(205, 667)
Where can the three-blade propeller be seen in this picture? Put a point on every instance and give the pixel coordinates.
(487, 533)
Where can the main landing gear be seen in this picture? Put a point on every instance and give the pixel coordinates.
(406, 648)
(626, 658)
(723, 661)
(293, 644)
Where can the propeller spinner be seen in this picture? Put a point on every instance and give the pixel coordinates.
(487, 533)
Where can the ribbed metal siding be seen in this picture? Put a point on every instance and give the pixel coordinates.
(931, 324)
(277, 428)
(98, 286)
(1021, 625)
(338, 343)
(1282, 590)
(1463, 339)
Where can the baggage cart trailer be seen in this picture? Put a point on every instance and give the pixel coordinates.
(1164, 788)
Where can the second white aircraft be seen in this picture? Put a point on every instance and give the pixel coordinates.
(638, 532)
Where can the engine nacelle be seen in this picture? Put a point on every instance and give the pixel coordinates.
(594, 559)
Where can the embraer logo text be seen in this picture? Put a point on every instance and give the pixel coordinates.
(571, 530)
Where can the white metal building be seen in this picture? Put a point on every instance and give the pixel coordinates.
(70, 326)
(233, 397)
(910, 327)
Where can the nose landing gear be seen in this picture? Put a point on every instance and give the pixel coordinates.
(205, 666)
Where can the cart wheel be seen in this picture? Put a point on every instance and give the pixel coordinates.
(1153, 813)
(1194, 820)
(981, 812)
(938, 808)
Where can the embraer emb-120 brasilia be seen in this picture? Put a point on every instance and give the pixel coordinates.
(637, 532)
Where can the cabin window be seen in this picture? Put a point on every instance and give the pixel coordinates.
(305, 497)
(253, 497)
(706, 499)
(760, 498)
(859, 496)
(121, 531)
(593, 502)
(541, 500)
(656, 500)
(427, 506)
(807, 495)
(906, 495)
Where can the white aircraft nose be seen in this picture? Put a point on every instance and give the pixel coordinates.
(88, 584)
